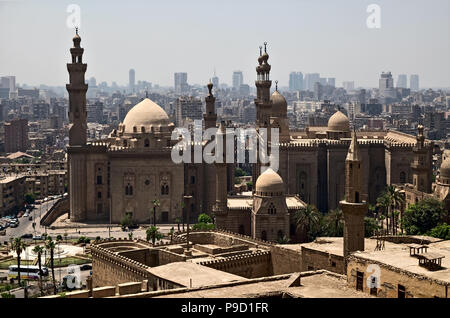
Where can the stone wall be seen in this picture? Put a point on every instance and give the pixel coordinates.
(285, 260)
(315, 260)
(252, 265)
(416, 286)
(59, 208)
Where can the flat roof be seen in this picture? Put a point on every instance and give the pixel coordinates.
(399, 258)
(317, 285)
(182, 273)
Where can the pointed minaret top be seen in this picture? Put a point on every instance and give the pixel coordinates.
(353, 151)
(276, 85)
(210, 87)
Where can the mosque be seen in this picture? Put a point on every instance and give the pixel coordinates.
(124, 173)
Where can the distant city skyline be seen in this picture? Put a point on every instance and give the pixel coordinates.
(159, 39)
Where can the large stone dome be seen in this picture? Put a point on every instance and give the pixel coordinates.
(145, 114)
(279, 104)
(338, 122)
(269, 181)
(444, 171)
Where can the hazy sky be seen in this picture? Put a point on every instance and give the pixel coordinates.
(158, 38)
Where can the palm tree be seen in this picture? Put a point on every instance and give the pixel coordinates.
(307, 218)
(153, 234)
(395, 199)
(334, 218)
(383, 204)
(18, 246)
(50, 246)
(38, 250)
(155, 204)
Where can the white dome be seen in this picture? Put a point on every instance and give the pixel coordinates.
(338, 122)
(145, 114)
(269, 181)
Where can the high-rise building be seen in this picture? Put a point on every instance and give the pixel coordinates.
(348, 86)
(414, 82)
(331, 82)
(295, 81)
(16, 135)
(238, 79)
(8, 82)
(386, 85)
(181, 85)
(402, 81)
(131, 78)
(215, 81)
(95, 112)
(188, 107)
(310, 80)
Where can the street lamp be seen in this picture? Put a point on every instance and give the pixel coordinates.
(155, 204)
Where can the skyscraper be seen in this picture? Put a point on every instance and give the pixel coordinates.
(310, 79)
(331, 82)
(386, 85)
(414, 82)
(401, 81)
(16, 135)
(131, 78)
(238, 79)
(295, 81)
(215, 81)
(181, 85)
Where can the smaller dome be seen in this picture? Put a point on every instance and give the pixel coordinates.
(279, 104)
(269, 181)
(338, 122)
(145, 114)
(444, 170)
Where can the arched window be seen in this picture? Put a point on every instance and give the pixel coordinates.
(128, 189)
(146, 142)
(356, 197)
(167, 189)
(143, 129)
(264, 235)
(272, 209)
(125, 143)
(164, 189)
(402, 177)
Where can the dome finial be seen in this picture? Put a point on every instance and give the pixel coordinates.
(276, 85)
(210, 86)
(265, 47)
(76, 30)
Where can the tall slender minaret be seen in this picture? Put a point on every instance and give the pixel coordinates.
(220, 208)
(77, 89)
(210, 116)
(422, 164)
(353, 207)
(77, 132)
(263, 84)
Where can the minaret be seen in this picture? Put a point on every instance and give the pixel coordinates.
(421, 165)
(220, 208)
(77, 133)
(77, 89)
(353, 207)
(263, 83)
(210, 116)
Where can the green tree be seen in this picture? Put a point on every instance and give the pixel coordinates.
(172, 230)
(18, 246)
(308, 219)
(130, 235)
(126, 221)
(395, 200)
(441, 231)
(370, 226)
(383, 205)
(239, 172)
(153, 234)
(334, 223)
(249, 186)
(283, 240)
(423, 216)
(38, 250)
(204, 222)
(59, 238)
(30, 198)
(50, 246)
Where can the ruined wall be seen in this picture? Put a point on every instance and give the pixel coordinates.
(257, 264)
(285, 260)
(390, 277)
(315, 260)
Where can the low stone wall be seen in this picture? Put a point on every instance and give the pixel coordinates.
(58, 209)
(314, 259)
(409, 239)
(285, 260)
(251, 265)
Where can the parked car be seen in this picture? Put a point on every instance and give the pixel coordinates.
(85, 267)
(14, 224)
(37, 238)
(27, 236)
